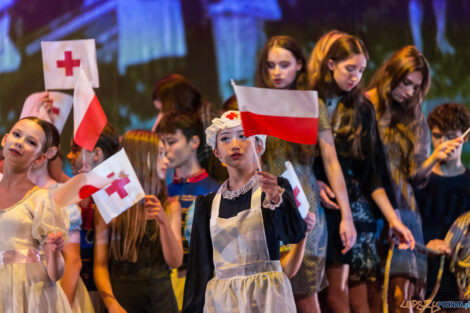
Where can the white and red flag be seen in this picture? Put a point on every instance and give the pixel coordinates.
(62, 61)
(123, 192)
(88, 116)
(290, 115)
(299, 194)
(56, 111)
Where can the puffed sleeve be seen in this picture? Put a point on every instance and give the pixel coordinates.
(46, 217)
(289, 226)
(200, 261)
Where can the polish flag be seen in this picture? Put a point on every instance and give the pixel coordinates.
(290, 115)
(88, 116)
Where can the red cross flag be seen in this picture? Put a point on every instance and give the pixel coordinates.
(62, 61)
(56, 112)
(123, 192)
(290, 115)
(299, 194)
(89, 119)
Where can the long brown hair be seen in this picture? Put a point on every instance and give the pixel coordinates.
(404, 127)
(355, 111)
(319, 51)
(262, 74)
(301, 153)
(128, 229)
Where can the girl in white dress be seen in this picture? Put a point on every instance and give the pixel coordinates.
(28, 224)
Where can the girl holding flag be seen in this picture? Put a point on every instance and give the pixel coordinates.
(359, 147)
(282, 65)
(138, 248)
(237, 231)
(29, 223)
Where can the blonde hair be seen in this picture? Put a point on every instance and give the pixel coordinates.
(128, 229)
(319, 52)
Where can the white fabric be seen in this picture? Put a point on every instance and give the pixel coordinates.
(26, 287)
(246, 280)
(229, 119)
(110, 203)
(83, 94)
(82, 302)
(277, 102)
(84, 50)
(299, 194)
(61, 105)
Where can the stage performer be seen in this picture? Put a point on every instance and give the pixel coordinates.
(397, 90)
(29, 223)
(282, 65)
(356, 139)
(71, 283)
(237, 231)
(140, 246)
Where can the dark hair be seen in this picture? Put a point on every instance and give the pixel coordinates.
(356, 131)
(405, 125)
(108, 141)
(262, 75)
(230, 104)
(176, 93)
(448, 117)
(51, 134)
(189, 123)
(394, 71)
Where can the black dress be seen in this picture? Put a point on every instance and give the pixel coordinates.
(144, 286)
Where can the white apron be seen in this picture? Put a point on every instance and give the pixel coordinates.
(246, 280)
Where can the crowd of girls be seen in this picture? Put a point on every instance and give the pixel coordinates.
(373, 149)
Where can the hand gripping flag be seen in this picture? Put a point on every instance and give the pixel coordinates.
(123, 192)
(290, 115)
(88, 116)
(299, 194)
(62, 61)
(57, 114)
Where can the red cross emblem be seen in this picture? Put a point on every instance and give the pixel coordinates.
(232, 116)
(118, 186)
(296, 193)
(68, 63)
(55, 111)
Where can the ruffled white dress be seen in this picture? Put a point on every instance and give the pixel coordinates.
(24, 284)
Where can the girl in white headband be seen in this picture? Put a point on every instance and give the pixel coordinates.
(237, 231)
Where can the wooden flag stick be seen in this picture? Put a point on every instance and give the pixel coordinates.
(253, 145)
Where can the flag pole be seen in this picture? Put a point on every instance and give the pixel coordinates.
(252, 140)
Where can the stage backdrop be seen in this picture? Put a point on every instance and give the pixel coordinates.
(211, 41)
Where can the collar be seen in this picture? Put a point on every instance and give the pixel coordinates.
(191, 179)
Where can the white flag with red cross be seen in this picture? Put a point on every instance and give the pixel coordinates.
(62, 61)
(299, 194)
(123, 192)
(56, 111)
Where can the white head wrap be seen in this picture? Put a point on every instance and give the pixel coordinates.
(229, 119)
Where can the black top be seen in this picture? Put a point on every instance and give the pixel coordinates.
(362, 176)
(150, 262)
(282, 224)
(441, 202)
